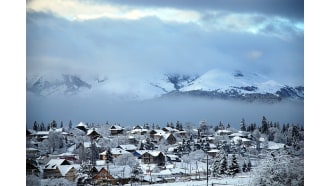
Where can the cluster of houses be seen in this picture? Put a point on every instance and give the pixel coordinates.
(80, 164)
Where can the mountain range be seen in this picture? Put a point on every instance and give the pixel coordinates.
(214, 84)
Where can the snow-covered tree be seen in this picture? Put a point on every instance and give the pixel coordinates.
(56, 140)
(279, 169)
(57, 182)
(32, 180)
(220, 164)
(234, 167)
(126, 159)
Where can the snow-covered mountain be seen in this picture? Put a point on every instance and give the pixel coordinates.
(236, 85)
(212, 84)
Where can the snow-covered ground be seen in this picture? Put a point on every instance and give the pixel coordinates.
(238, 180)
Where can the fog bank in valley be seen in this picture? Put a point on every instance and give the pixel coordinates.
(101, 108)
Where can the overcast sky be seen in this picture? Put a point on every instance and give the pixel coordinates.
(136, 41)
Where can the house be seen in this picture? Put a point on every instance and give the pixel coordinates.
(52, 170)
(173, 158)
(93, 134)
(103, 177)
(32, 167)
(116, 152)
(32, 153)
(169, 130)
(104, 154)
(116, 129)
(69, 171)
(153, 157)
(82, 126)
(169, 138)
(213, 152)
(129, 148)
(156, 134)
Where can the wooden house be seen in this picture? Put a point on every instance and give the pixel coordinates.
(153, 157)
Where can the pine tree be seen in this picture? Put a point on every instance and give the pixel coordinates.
(35, 126)
(264, 125)
(61, 124)
(42, 127)
(53, 124)
(220, 163)
(224, 165)
(70, 124)
(217, 165)
(234, 168)
(228, 126)
(244, 167)
(243, 128)
(249, 166)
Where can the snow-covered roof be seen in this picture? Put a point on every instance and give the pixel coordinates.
(275, 146)
(213, 150)
(238, 134)
(224, 132)
(53, 163)
(81, 124)
(134, 131)
(32, 149)
(115, 127)
(101, 162)
(41, 133)
(117, 151)
(153, 153)
(87, 144)
(64, 169)
(90, 131)
(212, 145)
(128, 147)
(159, 132)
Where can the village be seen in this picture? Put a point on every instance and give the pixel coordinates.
(111, 154)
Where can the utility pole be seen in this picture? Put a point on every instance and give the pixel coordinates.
(207, 169)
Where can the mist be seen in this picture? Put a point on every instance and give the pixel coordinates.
(99, 109)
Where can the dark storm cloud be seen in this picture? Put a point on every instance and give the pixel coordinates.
(285, 8)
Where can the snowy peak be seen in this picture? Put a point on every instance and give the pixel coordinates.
(242, 85)
(69, 84)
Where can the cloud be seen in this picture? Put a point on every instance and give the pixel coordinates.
(146, 49)
(254, 54)
(209, 19)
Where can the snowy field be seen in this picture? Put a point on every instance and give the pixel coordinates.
(240, 180)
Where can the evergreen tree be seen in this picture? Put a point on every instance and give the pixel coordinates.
(243, 128)
(216, 166)
(61, 124)
(70, 124)
(264, 125)
(224, 165)
(35, 126)
(234, 167)
(228, 126)
(42, 127)
(244, 167)
(220, 163)
(249, 166)
(177, 125)
(221, 127)
(53, 124)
